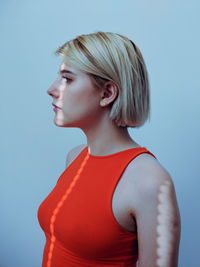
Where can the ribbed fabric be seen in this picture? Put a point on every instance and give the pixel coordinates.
(77, 216)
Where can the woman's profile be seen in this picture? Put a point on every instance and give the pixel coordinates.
(114, 204)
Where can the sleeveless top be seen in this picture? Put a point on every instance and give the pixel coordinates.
(77, 217)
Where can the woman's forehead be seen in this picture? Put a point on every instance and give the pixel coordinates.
(65, 67)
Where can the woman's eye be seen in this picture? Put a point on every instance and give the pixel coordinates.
(66, 78)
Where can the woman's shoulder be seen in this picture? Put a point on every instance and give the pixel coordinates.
(77, 149)
(147, 173)
(73, 153)
(147, 180)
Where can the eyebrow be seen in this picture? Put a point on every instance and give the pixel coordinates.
(67, 71)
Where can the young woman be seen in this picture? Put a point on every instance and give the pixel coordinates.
(114, 204)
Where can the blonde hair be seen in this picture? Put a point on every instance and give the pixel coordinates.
(108, 56)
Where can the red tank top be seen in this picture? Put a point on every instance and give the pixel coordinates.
(77, 216)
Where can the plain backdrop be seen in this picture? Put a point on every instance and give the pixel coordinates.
(34, 149)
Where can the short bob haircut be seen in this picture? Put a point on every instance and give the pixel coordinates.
(108, 56)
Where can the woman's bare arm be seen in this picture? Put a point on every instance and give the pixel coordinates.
(158, 219)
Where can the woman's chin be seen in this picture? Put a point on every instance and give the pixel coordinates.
(61, 124)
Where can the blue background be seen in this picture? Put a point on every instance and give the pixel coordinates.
(34, 149)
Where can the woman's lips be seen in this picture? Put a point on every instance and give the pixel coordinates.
(56, 106)
(56, 109)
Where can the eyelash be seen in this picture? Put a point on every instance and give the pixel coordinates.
(67, 79)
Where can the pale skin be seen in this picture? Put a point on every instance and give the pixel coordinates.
(149, 206)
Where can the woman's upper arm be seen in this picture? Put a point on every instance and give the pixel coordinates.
(158, 219)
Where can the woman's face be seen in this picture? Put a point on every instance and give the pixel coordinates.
(77, 98)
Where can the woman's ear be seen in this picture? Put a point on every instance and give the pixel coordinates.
(109, 93)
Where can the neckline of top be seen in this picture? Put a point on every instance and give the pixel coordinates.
(114, 154)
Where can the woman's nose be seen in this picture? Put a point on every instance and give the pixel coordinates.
(52, 91)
